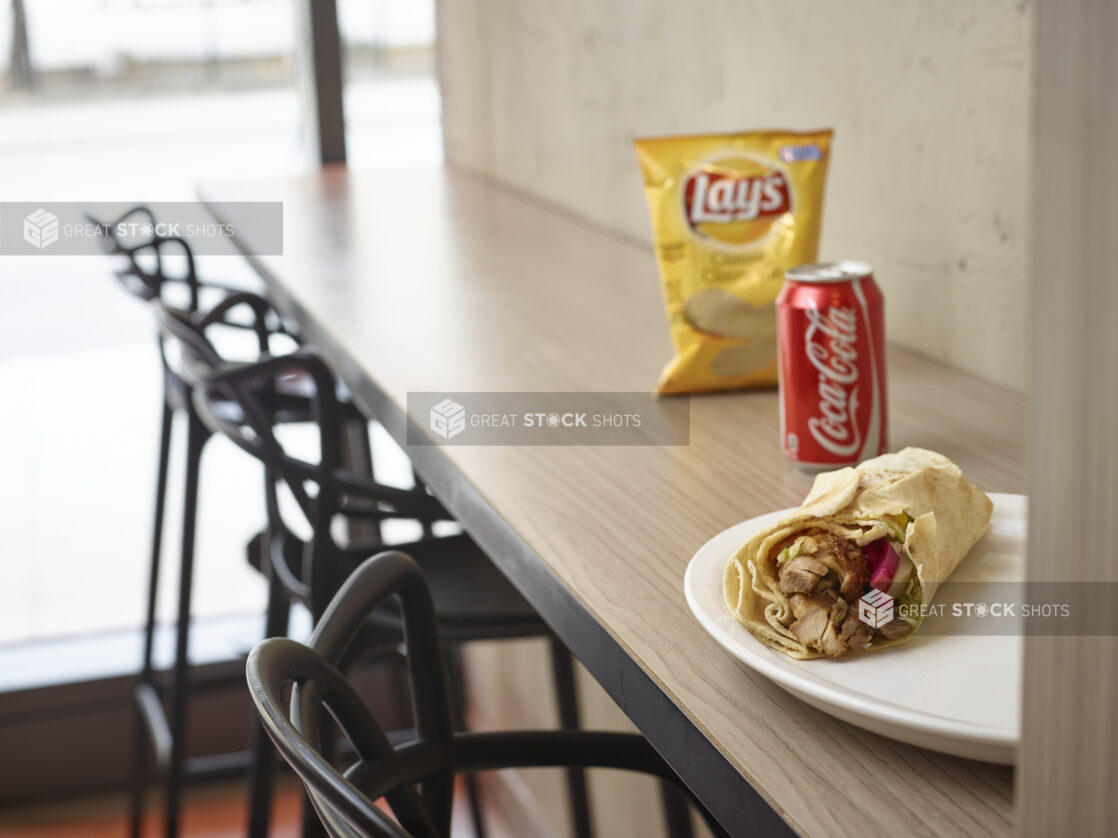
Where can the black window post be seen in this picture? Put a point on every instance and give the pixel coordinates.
(21, 72)
(320, 78)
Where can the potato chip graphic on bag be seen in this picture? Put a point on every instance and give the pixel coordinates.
(717, 311)
(730, 213)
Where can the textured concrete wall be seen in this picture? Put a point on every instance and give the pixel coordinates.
(931, 103)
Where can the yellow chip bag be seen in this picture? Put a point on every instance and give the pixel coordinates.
(730, 213)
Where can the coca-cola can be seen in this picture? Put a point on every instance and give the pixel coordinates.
(830, 319)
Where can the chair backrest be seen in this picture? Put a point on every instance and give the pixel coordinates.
(257, 389)
(149, 272)
(415, 778)
(416, 781)
(252, 386)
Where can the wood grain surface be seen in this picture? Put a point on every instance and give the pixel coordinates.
(429, 279)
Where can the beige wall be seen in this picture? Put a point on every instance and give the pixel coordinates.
(930, 102)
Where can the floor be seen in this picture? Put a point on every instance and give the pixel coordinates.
(211, 812)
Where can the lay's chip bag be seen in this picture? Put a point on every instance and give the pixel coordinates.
(730, 213)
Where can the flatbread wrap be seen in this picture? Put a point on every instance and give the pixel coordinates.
(877, 538)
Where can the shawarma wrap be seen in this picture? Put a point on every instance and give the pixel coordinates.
(890, 530)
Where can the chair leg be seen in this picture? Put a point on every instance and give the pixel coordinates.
(196, 438)
(139, 756)
(357, 456)
(458, 701)
(563, 670)
(262, 768)
(139, 773)
(312, 826)
(321, 592)
(421, 488)
(677, 811)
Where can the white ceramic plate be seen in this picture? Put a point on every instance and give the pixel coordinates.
(947, 691)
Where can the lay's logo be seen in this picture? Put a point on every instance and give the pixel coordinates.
(732, 206)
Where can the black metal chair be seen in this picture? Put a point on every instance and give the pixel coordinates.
(161, 270)
(474, 601)
(415, 779)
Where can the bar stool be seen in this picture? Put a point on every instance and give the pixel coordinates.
(162, 270)
(414, 779)
(474, 601)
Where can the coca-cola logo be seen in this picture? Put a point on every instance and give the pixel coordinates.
(711, 197)
(831, 345)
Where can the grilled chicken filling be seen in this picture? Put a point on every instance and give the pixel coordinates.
(824, 575)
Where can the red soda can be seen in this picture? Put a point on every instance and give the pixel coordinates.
(830, 322)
